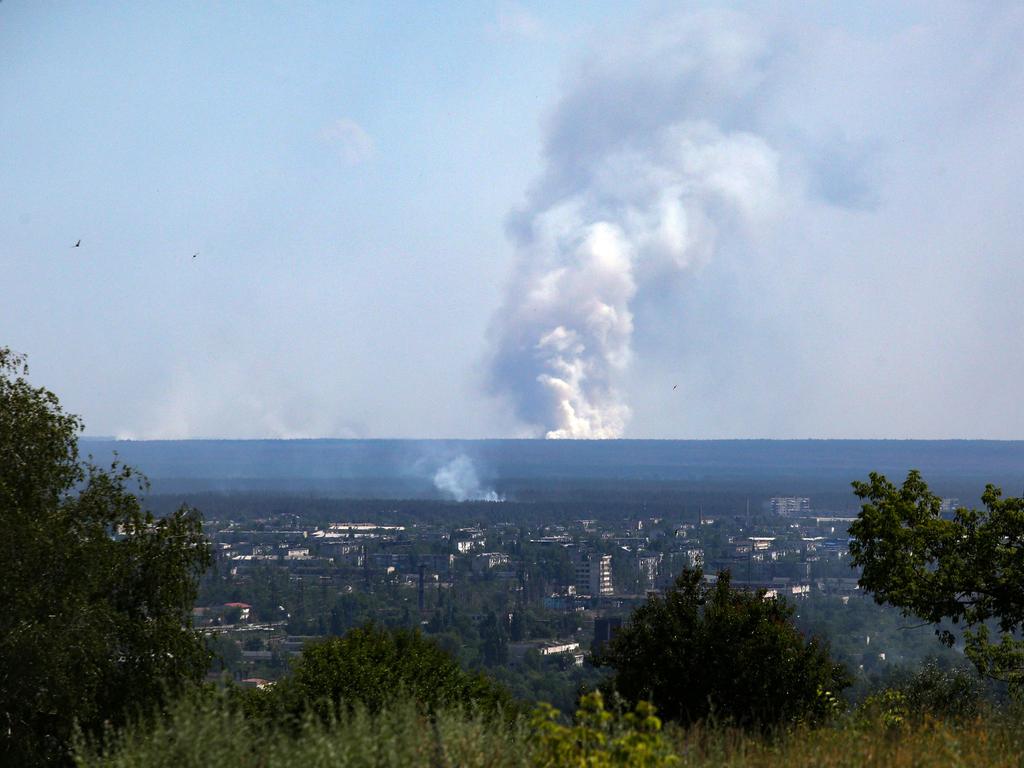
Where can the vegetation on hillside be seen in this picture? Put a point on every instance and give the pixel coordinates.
(96, 593)
(967, 569)
(705, 650)
(371, 668)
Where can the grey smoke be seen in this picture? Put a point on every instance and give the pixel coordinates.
(458, 479)
(643, 174)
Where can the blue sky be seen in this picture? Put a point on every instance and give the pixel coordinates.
(375, 191)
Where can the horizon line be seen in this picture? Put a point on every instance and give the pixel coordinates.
(115, 439)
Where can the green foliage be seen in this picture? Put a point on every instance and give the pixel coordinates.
(708, 650)
(541, 678)
(859, 631)
(954, 695)
(599, 739)
(372, 668)
(494, 639)
(945, 694)
(968, 569)
(96, 593)
(517, 627)
(887, 707)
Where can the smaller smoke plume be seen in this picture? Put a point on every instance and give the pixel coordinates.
(459, 480)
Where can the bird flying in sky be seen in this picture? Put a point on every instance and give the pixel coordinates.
(77, 244)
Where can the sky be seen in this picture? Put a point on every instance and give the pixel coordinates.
(496, 219)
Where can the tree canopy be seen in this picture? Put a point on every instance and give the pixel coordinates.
(967, 568)
(704, 649)
(371, 667)
(96, 593)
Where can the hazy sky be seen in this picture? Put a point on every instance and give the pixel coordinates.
(500, 219)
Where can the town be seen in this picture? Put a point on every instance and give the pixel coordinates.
(517, 600)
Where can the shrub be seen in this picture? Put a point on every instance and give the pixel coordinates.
(956, 695)
(599, 739)
(371, 667)
(709, 649)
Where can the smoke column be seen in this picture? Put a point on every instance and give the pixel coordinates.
(459, 480)
(642, 175)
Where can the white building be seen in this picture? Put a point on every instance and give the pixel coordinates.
(485, 561)
(593, 574)
(791, 506)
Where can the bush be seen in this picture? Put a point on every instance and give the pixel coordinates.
(372, 668)
(706, 650)
(599, 739)
(956, 695)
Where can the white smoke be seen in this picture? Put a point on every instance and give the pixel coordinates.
(640, 181)
(459, 480)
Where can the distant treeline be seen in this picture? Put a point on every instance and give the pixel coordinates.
(527, 470)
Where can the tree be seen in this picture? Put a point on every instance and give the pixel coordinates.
(494, 641)
(96, 593)
(968, 569)
(373, 667)
(517, 626)
(705, 649)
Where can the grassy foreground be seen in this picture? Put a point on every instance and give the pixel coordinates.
(848, 745)
(210, 732)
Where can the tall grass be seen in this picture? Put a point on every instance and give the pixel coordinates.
(210, 732)
(855, 744)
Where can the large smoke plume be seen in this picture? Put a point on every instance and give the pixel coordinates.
(643, 174)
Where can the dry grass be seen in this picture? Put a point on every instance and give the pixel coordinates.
(850, 745)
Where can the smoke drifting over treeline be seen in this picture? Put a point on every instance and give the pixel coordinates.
(639, 181)
(458, 479)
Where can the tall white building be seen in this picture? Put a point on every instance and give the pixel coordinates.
(593, 574)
